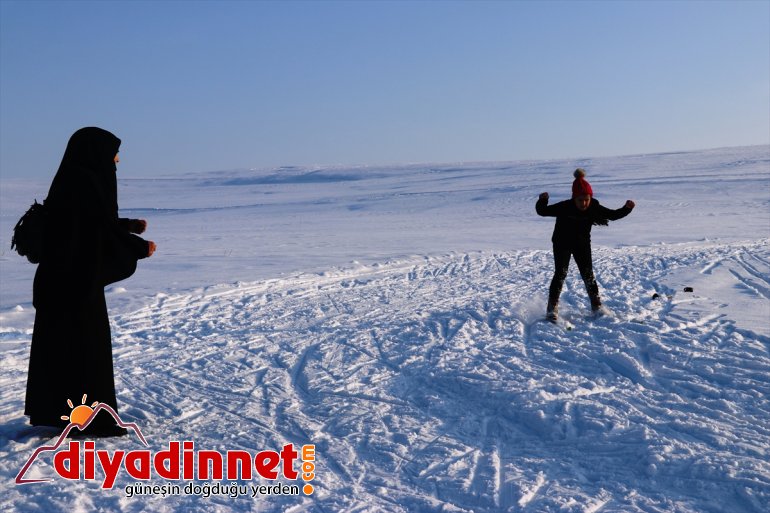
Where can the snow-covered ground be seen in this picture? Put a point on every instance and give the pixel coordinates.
(392, 318)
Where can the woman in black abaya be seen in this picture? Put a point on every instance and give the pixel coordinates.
(86, 247)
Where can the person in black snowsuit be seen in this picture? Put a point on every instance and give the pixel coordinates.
(85, 247)
(572, 238)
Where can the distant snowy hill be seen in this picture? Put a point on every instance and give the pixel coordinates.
(392, 317)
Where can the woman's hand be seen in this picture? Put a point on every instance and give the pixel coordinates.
(630, 204)
(137, 225)
(151, 247)
(544, 196)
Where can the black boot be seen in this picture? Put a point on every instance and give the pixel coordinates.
(552, 310)
(597, 308)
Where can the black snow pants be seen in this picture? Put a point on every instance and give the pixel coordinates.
(582, 254)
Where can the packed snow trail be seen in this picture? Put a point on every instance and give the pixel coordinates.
(432, 384)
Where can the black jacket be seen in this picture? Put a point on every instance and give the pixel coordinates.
(573, 226)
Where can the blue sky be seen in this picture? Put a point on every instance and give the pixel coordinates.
(202, 85)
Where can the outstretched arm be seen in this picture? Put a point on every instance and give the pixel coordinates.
(543, 209)
(614, 215)
(133, 225)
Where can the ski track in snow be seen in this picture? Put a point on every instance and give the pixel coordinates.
(432, 384)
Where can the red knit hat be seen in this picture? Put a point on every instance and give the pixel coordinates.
(580, 187)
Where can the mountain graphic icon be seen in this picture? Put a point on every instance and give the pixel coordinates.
(80, 425)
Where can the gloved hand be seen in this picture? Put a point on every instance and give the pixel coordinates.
(137, 225)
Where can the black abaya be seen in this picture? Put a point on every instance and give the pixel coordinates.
(86, 247)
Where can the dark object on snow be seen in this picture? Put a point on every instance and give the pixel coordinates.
(656, 296)
(85, 248)
(688, 289)
(27, 237)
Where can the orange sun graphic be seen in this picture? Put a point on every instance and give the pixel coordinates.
(80, 414)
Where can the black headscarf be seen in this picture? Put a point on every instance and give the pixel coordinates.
(85, 245)
(86, 176)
